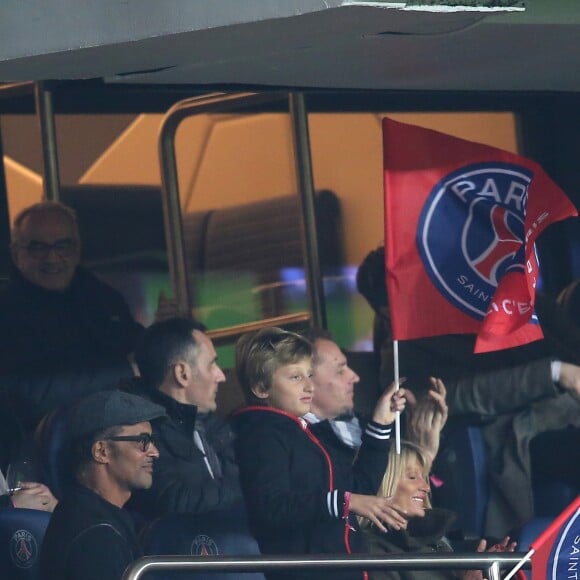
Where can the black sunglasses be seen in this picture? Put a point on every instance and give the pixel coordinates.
(144, 439)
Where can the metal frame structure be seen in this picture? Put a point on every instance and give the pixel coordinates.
(96, 97)
(45, 111)
(493, 563)
(220, 103)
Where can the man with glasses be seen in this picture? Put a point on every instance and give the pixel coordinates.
(64, 332)
(90, 535)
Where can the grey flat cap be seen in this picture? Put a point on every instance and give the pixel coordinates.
(108, 409)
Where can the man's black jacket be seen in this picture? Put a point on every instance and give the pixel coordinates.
(181, 480)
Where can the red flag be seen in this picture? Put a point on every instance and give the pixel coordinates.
(461, 222)
(557, 549)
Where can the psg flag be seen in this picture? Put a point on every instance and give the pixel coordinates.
(555, 553)
(460, 225)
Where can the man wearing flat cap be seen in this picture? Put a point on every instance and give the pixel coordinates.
(90, 535)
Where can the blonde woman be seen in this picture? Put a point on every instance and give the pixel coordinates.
(406, 481)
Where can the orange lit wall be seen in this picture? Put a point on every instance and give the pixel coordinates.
(226, 160)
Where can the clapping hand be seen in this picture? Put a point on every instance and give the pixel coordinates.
(504, 546)
(427, 417)
(381, 511)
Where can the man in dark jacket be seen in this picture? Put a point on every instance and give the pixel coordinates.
(197, 472)
(333, 420)
(64, 333)
(90, 535)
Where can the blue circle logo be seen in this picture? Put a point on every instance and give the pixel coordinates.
(471, 232)
(565, 553)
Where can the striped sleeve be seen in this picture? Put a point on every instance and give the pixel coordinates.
(378, 431)
(335, 503)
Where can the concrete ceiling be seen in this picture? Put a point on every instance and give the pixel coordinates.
(299, 43)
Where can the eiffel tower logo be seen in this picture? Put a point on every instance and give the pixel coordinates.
(23, 549)
(504, 246)
(203, 545)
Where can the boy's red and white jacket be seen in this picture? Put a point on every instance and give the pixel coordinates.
(295, 491)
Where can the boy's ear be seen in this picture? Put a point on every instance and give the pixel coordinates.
(260, 390)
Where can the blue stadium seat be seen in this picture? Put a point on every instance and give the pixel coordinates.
(212, 534)
(529, 533)
(21, 535)
(51, 450)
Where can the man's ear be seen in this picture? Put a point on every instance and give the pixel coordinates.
(100, 452)
(260, 390)
(181, 373)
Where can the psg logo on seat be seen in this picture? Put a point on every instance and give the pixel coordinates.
(471, 232)
(204, 545)
(23, 549)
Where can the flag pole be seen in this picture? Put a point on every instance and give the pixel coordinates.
(397, 386)
(516, 568)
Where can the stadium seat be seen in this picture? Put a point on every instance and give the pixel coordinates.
(529, 532)
(211, 534)
(51, 451)
(21, 535)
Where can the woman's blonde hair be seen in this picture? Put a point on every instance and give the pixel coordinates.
(398, 464)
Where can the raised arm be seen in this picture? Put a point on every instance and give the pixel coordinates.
(426, 417)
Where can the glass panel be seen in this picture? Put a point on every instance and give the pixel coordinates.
(241, 216)
(112, 180)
